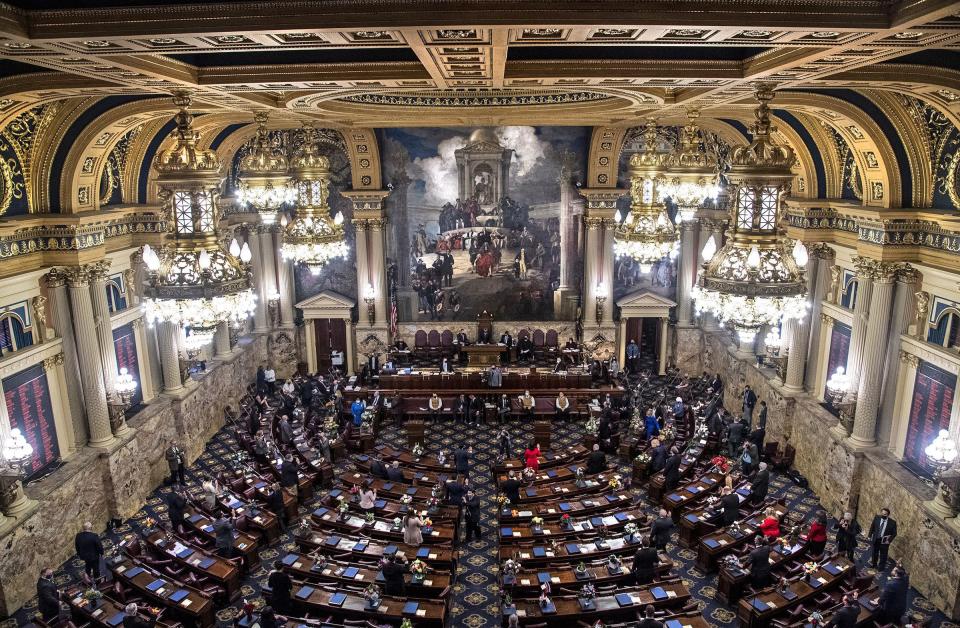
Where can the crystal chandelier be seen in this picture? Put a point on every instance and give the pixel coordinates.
(755, 280)
(312, 238)
(647, 234)
(691, 175)
(193, 281)
(262, 178)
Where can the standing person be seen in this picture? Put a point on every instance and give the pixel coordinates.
(90, 550)
(289, 474)
(461, 458)
(368, 497)
(176, 504)
(48, 596)
(749, 458)
(735, 437)
(261, 379)
(280, 587)
(817, 535)
(651, 427)
(176, 460)
(645, 562)
(847, 616)
(597, 461)
(411, 529)
(660, 530)
(759, 561)
(658, 456)
(762, 416)
(223, 529)
(436, 406)
(749, 401)
(356, 409)
(883, 530)
(503, 440)
(731, 505)
(760, 484)
(511, 488)
(671, 469)
(495, 378)
(531, 456)
(394, 568)
(847, 532)
(472, 503)
(893, 597)
(633, 356)
(270, 376)
(286, 431)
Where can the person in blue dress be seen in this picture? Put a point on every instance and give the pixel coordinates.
(650, 425)
(357, 409)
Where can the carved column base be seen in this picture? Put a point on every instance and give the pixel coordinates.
(939, 506)
(14, 502)
(861, 443)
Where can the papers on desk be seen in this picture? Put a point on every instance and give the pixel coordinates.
(760, 605)
(832, 569)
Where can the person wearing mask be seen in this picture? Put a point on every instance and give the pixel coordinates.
(461, 459)
(770, 526)
(633, 356)
(289, 474)
(132, 619)
(671, 469)
(286, 431)
(476, 410)
(531, 456)
(211, 491)
(735, 432)
(275, 503)
(893, 597)
(562, 405)
(660, 530)
(504, 442)
(527, 405)
(504, 407)
(446, 366)
(645, 562)
(847, 532)
(749, 401)
(511, 488)
(356, 409)
(280, 587)
(472, 512)
(460, 409)
(883, 530)
(817, 535)
(749, 458)
(48, 596)
(223, 534)
(495, 377)
(436, 407)
(651, 427)
(271, 378)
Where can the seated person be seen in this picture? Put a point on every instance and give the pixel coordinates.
(503, 408)
(446, 367)
(527, 404)
(525, 349)
(563, 407)
(571, 345)
(400, 345)
(435, 405)
(462, 338)
(476, 409)
(483, 338)
(560, 366)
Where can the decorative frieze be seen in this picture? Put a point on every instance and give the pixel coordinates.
(59, 237)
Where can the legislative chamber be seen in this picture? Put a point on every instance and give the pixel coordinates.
(463, 313)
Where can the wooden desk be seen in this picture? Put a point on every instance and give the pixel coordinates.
(338, 545)
(751, 616)
(201, 563)
(103, 610)
(713, 546)
(546, 477)
(572, 552)
(549, 459)
(182, 601)
(264, 522)
(676, 501)
(244, 544)
(705, 519)
(316, 601)
(483, 355)
(569, 611)
(733, 580)
(411, 476)
(553, 510)
(328, 519)
(305, 567)
(656, 485)
(389, 488)
(388, 507)
(527, 582)
(564, 490)
(521, 533)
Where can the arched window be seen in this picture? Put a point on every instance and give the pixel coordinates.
(848, 298)
(116, 296)
(946, 329)
(13, 334)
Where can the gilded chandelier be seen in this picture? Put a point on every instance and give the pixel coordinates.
(312, 238)
(647, 234)
(755, 279)
(691, 177)
(194, 282)
(262, 177)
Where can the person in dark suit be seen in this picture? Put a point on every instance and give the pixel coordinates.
(730, 504)
(658, 456)
(893, 597)
(223, 534)
(604, 432)
(378, 469)
(847, 531)
(846, 617)
(483, 338)
(90, 550)
(882, 531)
(288, 474)
(275, 505)
(597, 461)
(759, 562)
(460, 409)
(393, 569)
(48, 596)
(645, 562)
(660, 530)
(280, 587)
(511, 488)
(394, 474)
(507, 340)
(476, 410)
(461, 458)
(749, 401)
(735, 432)
(648, 620)
(760, 484)
(455, 492)
(132, 619)
(671, 469)
(176, 504)
(472, 504)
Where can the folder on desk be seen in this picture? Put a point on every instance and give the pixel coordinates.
(136, 571)
(336, 492)
(611, 498)
(423, 552)
(674, 497)
(711, 543)
(116, 620)
(693, 489)
(621, 516)
(573, 548)
(184, 552)
(289, 559)
(539, 552)
(387, 486)
(788, 594)
(179, 594)
(390, 550)
(692, 518)
(573, 468)
(672, 623)
(596, 521)
(564, 506)
(759, 604)
(531, 492)
(709, 481)
(412, 490)
(410, 608)
(743, 491)
(156, 584)
(506, 531)
(206, 562)
(658, 593)
(333, 541)
(815, 583)
(320, 512)
(259, 485)
(624, 599)
(350, 572)
(551, 473)
(195, 518)
(380, 503)
(337, 599)
(543, 577)
(549, 608)
(363, 457)
(831, 569)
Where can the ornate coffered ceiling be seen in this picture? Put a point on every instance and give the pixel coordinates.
(396, 62)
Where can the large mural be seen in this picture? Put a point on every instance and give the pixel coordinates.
(485, 219)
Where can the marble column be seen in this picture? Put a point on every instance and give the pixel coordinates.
(599, 225)
(285, 270)
(169, 356)
(686, 272)
(221, 340)
(59, 311)
(908, 282)
(800, 334)
(362, 268)
(153, 357)
(861, 315)
(268, 254)
(664, 330)
(377, 251)
(571, 212)
(874, 353)
(824, 257)
(370, 223)
(261, 317)
(101, 317)
(88, 357)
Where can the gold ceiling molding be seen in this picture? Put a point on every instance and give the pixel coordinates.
(914, 142)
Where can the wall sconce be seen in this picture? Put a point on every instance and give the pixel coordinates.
(370, 297)
(273, 307)
(15, 458)
(601, 300)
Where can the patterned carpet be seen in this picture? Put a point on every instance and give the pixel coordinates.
(476, 595)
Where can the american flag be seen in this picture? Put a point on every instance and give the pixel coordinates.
(393, 314)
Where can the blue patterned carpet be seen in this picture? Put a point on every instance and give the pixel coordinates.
(476, 594)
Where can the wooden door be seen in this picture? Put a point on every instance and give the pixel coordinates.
(331, 337)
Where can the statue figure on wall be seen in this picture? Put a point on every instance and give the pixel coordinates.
(833, 293)
(918, 328)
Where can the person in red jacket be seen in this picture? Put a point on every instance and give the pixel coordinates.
(771, 524)
(817, 534)
(532, 456)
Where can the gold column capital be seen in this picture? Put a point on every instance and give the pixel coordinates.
(909, 358)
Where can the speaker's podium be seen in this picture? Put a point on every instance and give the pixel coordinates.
(483, 355)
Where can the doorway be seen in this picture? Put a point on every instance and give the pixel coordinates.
(331, 342)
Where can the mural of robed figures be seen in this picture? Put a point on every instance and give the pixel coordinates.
(485, 219)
